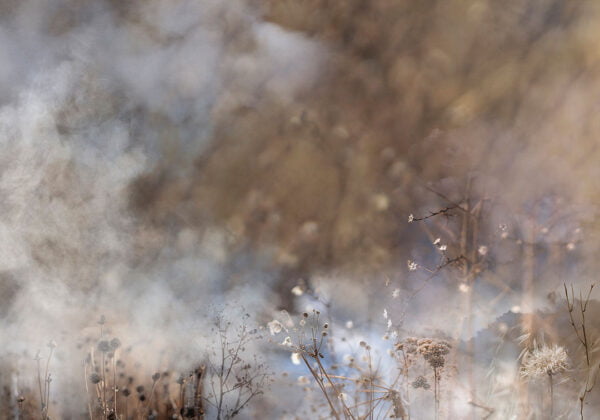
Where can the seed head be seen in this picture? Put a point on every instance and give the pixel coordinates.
(115, 343)
(421, 382)
(104, 346)
(544, 360)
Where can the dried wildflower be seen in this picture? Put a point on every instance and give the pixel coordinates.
(482, 250)
(95, 378)
(126, 392)
(104, 346)
(156, 377)
(115, 343)
(544, 360)
(295, 357)
(287, 341)
(275, 327)
(412, 266)
(436, 362)
(297, 291)
(421, 382)
(411, 218)
(432, 350)
(396, 293)
(51, 344)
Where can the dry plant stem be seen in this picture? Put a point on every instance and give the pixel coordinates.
(40, 385)
(527, 319)
(115, 381)
(582, 337)
(320, 383)
(551, 395)
(104, 407)
(405, 379)
(198, 392)
(224, 376)
(149, 405)
(47, 379)
(371, 376)
(436, 393)
(87, 390)
(490, 411)
(346, 409)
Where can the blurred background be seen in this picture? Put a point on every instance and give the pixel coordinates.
(161, 156)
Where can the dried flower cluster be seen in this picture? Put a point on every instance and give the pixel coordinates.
(544, 360)
(421, 382)
(432, 350)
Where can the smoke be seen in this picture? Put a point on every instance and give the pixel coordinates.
(160, 158)
(95, 95)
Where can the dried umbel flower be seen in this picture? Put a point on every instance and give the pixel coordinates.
(115, 343)
(421, 382)
(436, 362)
(104, 346)
(544, 360)
(95, 378)
(433, 351)
(156, 377)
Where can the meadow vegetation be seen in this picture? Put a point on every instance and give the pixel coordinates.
(299, 209)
